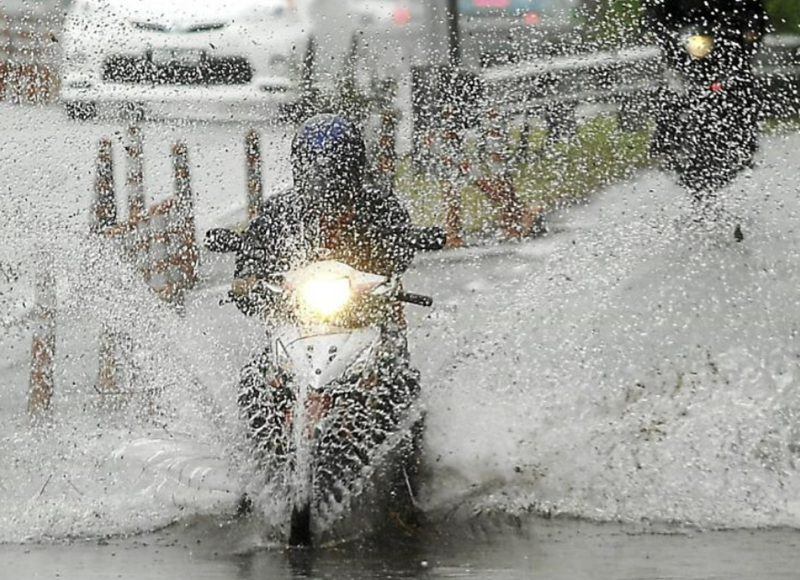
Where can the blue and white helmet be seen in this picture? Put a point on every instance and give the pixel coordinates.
(328, 155)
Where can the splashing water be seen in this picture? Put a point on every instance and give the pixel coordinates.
(638, 367)
(645, 370)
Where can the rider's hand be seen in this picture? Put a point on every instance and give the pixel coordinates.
(243, 286)
(255, 296)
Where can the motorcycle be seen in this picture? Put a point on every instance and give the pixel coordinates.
(330, 403)
(713, 113)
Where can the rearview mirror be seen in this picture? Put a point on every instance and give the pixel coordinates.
(222, 241)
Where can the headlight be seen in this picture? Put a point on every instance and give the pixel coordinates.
(324, 297)
(699, 46)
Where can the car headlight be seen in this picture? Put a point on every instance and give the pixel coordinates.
(324, 297)
(699, 46)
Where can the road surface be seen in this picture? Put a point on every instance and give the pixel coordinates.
(635, 374)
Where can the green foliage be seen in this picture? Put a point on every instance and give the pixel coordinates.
(600, 154)
(556, 175)
(616, 21)
(785, 15)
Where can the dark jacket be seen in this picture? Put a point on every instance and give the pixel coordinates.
(372, 235)
(736, 25)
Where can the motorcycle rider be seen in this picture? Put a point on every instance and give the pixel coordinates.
(736, 25)
(329, 214)
(742, 21)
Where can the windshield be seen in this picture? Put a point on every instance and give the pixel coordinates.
(174, 15)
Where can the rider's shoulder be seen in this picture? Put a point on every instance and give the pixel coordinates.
(275, 208)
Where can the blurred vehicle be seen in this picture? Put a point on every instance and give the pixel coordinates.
(714, 109)
(387, 12)
(502, 31)
(532, 12)
(231, 54)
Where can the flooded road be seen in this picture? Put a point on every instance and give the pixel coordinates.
(535, 550)
(631, 367)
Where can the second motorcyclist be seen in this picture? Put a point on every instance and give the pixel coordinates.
(737, 28)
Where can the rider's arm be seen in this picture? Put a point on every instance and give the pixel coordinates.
(264, 253)
(390, 229)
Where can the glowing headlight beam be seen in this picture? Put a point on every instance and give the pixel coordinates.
(699, 46)
(325, 297)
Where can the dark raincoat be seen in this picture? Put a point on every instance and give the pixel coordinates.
(738, 26)
(371, 232)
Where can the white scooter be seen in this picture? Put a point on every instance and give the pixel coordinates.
(331, 403)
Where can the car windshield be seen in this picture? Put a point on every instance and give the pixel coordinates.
(172, 15)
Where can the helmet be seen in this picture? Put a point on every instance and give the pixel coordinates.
(328, 157)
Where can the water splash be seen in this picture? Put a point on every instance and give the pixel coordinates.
(647, 370)
(637, 368)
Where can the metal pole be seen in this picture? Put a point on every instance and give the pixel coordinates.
(104, 207)
(108, 370)
(453, 34)
(451, 126)
(135, 178)
(184, 201)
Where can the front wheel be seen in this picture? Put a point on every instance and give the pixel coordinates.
(300, 525)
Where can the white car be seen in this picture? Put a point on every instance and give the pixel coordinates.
(231, 55)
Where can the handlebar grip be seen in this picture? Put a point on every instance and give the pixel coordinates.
(222, 240)
(415, 299)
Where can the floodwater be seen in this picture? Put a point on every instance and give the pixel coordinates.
(533, 549)
(634, 375)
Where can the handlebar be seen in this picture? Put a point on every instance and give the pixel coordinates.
(222, 240)
(415, 299)
(243, 287)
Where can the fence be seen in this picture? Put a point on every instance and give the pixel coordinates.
(160, 240)
(28, 57)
